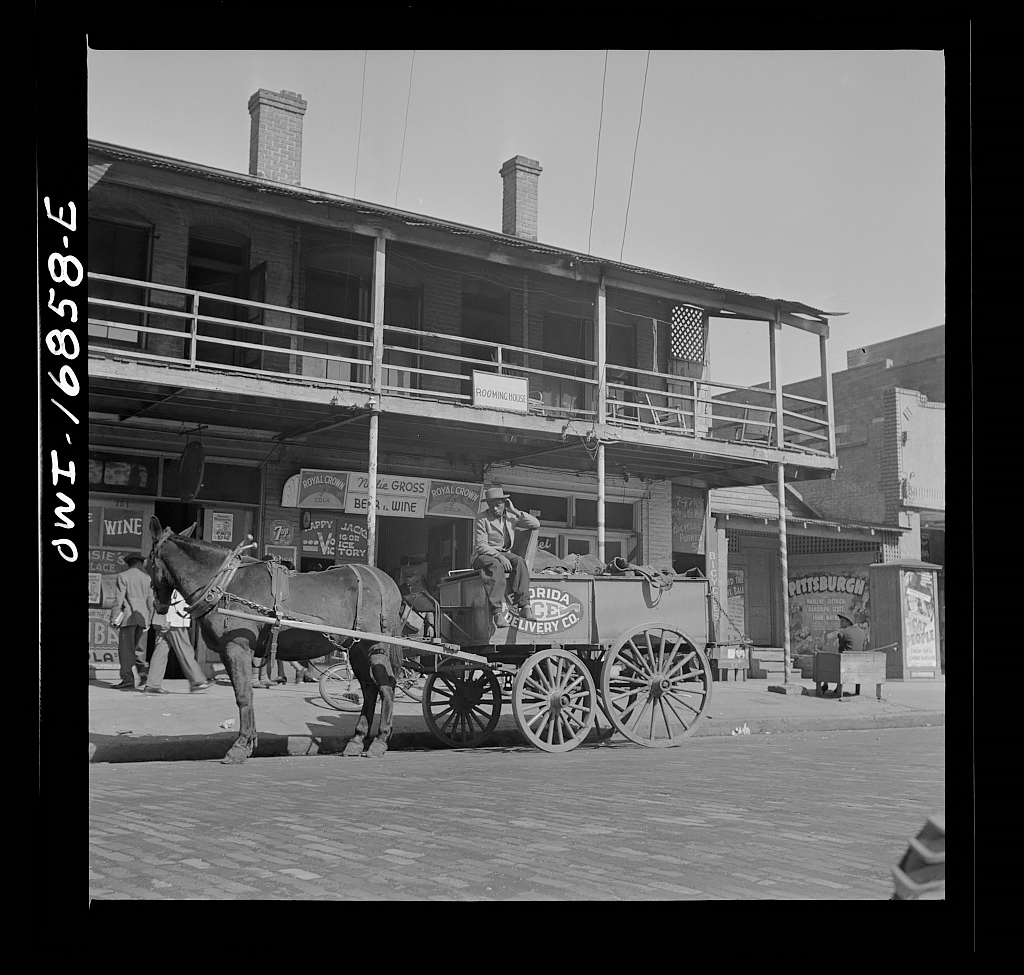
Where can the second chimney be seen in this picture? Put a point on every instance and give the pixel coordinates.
(519, 197)
(275, 135)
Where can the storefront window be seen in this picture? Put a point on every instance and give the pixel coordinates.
(221, 482)
(115, 474)
(552, 509)
(616, 514)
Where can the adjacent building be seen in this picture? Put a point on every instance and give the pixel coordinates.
(886, 503)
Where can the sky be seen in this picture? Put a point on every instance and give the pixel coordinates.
(814, 176)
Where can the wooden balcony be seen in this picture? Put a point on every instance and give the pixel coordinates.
(199, 333)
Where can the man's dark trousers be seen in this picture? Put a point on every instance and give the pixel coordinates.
(498, 583)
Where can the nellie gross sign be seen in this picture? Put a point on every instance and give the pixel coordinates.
(501, 392)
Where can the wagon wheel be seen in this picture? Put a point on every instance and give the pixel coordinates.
(655, 685)
(553, 700)
(340, 690)
(462, 707)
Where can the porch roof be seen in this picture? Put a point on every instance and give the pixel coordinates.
(101, 156)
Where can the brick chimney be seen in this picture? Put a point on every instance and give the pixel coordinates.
(519, 197)
(275, 135)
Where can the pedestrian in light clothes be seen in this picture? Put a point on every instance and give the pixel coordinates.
(172, 634)
(131, 613)
(493, 534)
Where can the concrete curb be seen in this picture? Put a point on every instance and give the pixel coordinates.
(181, 748)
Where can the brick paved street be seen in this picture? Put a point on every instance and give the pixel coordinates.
(799, 815)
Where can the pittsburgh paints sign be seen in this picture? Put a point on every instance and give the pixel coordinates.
(852, 584)
(501, 392)
(556, 610)
(816, 599)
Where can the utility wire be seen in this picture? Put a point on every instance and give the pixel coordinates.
(597, 160)
(633, 170)
(407, 100)
(359, 137)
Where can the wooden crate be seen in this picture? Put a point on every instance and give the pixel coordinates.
(729, 662)
(853, 667)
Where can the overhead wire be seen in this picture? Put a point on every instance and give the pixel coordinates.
(408, 99)
(597, 159)
(359, 136)
(633, 170)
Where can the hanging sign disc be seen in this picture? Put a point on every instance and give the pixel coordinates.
(190, 470)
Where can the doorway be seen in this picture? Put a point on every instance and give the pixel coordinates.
(218, 263)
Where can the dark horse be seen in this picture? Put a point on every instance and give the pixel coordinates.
(339, 597)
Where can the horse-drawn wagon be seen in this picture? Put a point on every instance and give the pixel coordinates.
(632, 645)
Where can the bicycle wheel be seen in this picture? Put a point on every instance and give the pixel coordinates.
(411, 684)
(340, 689)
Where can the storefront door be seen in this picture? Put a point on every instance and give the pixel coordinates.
(759, 601)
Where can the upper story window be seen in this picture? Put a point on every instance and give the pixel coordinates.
(119, 247)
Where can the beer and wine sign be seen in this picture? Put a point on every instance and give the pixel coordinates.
(334, 504)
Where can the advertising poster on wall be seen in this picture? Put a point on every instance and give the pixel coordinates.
(737, 590)
(688, 520)
(815, 599)
(319, 535)
(102, 640)
(351, 534)
(322, 489)
(223, 525)
(921, 643)
(453, 499)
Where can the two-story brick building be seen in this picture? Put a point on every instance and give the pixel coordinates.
(354, 374)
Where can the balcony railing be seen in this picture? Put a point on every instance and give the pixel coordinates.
(203, 331)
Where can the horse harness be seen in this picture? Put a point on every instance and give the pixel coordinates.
(208, 597)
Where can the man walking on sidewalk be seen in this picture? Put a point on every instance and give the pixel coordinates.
(131, 613)
(172, 634)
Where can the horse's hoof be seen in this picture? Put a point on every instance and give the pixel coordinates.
(378, 749)
(234, 757)
(353, 749)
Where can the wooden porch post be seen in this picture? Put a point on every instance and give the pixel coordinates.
(784, 568)
(376, 381)
(601, 347)
(600, 500)
(774, 327)
(826, 375)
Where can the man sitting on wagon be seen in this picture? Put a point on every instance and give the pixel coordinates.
(500, 568)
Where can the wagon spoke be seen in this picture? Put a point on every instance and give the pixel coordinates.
(680, 663)
(680, 701)
(638, 712)
(661, 651)
(669, 699)
(664, 716)
(637, 700)
(569, 688)
(635, 681)
(636, 659)
(650, 649)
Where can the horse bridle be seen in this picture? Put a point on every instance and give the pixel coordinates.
(206, 597)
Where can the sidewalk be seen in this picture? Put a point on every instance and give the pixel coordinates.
(292, 719)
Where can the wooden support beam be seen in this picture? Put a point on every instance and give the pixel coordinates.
(826, 375)
(601, 347)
